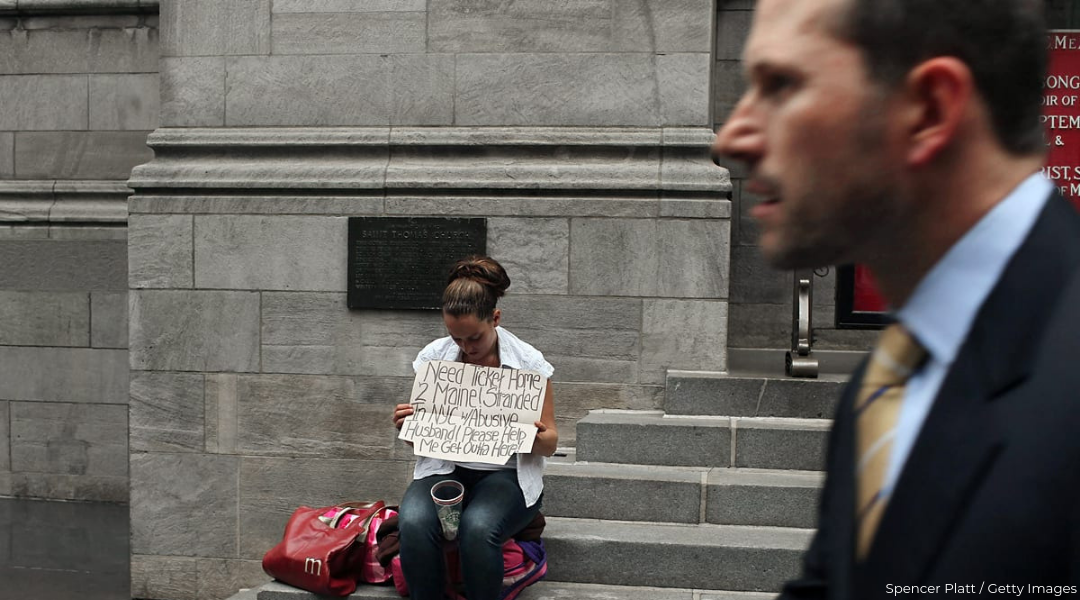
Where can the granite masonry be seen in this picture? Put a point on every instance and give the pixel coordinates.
(79, 91)
(189, 349)
(579, 130)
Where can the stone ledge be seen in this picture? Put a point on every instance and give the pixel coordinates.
(650, 438)
(268, 138)
(539, 162)
(48, 201)
(748, 395)
(525, 136)
(673, 555)
(613, 491)
(542, 590)
(34, 7)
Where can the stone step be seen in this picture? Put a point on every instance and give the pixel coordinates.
(653, 438)
(740, 395)
(543, 590)
(780, 443)
(763, 497)
(681, 494)
(713, 557)
(623, 492)
(651, 555)
(771, 362)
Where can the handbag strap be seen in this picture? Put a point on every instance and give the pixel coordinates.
(337, 518)
(349, 507)
(364, 505)
(366, 522)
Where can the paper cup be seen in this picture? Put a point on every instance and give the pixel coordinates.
(447, 496)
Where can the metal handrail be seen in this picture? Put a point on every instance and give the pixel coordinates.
(800, 361)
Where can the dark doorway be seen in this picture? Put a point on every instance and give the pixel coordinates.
(1063, 14)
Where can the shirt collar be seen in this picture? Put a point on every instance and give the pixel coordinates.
(506, 357)
(940, 312)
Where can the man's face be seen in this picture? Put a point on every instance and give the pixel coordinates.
(813, 131)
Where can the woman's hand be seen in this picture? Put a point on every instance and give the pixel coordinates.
(546, 439)
(547, 435)
(400, 412)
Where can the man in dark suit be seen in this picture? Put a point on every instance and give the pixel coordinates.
(906, 135)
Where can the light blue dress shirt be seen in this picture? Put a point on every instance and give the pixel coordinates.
(940, 312)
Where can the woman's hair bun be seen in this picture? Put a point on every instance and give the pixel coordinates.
(475, 285)
(484, 270)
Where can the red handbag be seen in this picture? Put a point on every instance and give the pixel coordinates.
(321, 554)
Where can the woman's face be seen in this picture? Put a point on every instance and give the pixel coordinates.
(476, 337)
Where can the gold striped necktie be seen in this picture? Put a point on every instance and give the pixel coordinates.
(895, 359)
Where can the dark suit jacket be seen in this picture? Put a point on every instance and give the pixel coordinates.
(990, 494)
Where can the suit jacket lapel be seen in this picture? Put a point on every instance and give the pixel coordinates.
(960, 438)
(841, 510)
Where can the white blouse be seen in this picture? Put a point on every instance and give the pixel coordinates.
(513, 353)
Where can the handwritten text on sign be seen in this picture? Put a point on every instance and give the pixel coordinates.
(475, 414)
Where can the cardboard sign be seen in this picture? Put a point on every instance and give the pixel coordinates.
(469, 413)
(1061, 113)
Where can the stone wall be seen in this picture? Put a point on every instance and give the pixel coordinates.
(761, 297)
(78, 87)
(580, 130)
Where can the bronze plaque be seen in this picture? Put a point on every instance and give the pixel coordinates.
(403, 262)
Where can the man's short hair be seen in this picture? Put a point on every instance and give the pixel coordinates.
(1003, 42)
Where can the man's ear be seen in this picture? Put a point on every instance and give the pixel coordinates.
(939, 92)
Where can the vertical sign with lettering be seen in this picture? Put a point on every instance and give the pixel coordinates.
(1061, 112)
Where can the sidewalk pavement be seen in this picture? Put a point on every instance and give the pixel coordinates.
(63, 550)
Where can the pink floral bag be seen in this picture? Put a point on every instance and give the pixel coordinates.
(370, 569)
(524, 563)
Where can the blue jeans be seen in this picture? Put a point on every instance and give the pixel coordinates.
(494, 510)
